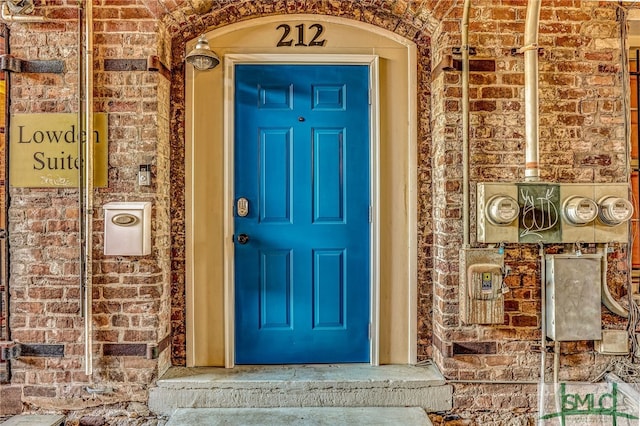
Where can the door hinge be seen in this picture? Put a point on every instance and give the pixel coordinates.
(370, 214)
(370, 330)
(369, 96)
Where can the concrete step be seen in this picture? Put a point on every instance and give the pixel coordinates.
(344, 385)
(335, 416)
(35, 420)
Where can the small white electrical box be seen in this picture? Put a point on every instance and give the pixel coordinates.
(614, 342)
(127, 228)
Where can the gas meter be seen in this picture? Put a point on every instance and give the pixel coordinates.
(615, 210)
(502, 210)
(579, 210)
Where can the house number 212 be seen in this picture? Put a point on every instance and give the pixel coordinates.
(286, 40)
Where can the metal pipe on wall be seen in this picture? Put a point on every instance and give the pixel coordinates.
(543, 331)
(88, 186)
(532, 157)
(530, 49)
(80, 124)
(7, 197)
(465, 124)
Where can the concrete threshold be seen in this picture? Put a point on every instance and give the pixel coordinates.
(336, 416)
(295, 386)
(178, 377)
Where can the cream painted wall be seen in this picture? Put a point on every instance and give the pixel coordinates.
(207, 235)
(633, 22)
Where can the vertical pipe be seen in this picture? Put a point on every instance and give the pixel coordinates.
(80, 126)
(543, 333)
(465, 124)
(556, 362)
(532, 170)
(7, 197)
(88, 171)
(556, 376)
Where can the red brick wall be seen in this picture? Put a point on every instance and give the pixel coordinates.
(581, 139)
(130, 294)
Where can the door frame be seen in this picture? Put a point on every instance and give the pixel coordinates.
(230, 61)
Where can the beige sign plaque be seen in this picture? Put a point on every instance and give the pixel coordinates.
(44, 150)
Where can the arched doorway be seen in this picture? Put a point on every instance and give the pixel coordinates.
(210, 170)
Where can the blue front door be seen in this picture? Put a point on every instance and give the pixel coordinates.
(302, 237)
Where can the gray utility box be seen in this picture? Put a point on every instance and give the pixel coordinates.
(573, 285)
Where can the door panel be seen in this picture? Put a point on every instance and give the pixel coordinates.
(328, 286)
(275, 175)
(302, 161)
(275, 289)
(328, 189)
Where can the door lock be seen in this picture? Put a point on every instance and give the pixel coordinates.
(242, 207)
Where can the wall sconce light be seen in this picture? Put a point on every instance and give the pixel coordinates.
(202, 57)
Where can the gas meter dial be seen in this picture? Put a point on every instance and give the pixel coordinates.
(579, 210)
(615, 210)
(502, 210)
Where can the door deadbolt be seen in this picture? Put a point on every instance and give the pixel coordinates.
(242, 207)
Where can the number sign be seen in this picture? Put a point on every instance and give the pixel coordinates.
(287, 39)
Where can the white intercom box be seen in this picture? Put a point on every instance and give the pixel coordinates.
(127, 228)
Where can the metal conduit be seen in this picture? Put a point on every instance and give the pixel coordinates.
(80, 124)
(87, 183)
(543, 331)
(531, 124)
(7, 198)
(532, 156)
(465, 125)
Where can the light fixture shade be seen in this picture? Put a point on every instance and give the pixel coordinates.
(202, 57)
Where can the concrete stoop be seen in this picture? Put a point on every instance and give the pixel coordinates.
(306, 386)
(329, 416)
(35, 420)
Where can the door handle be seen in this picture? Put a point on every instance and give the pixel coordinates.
(243, 239)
